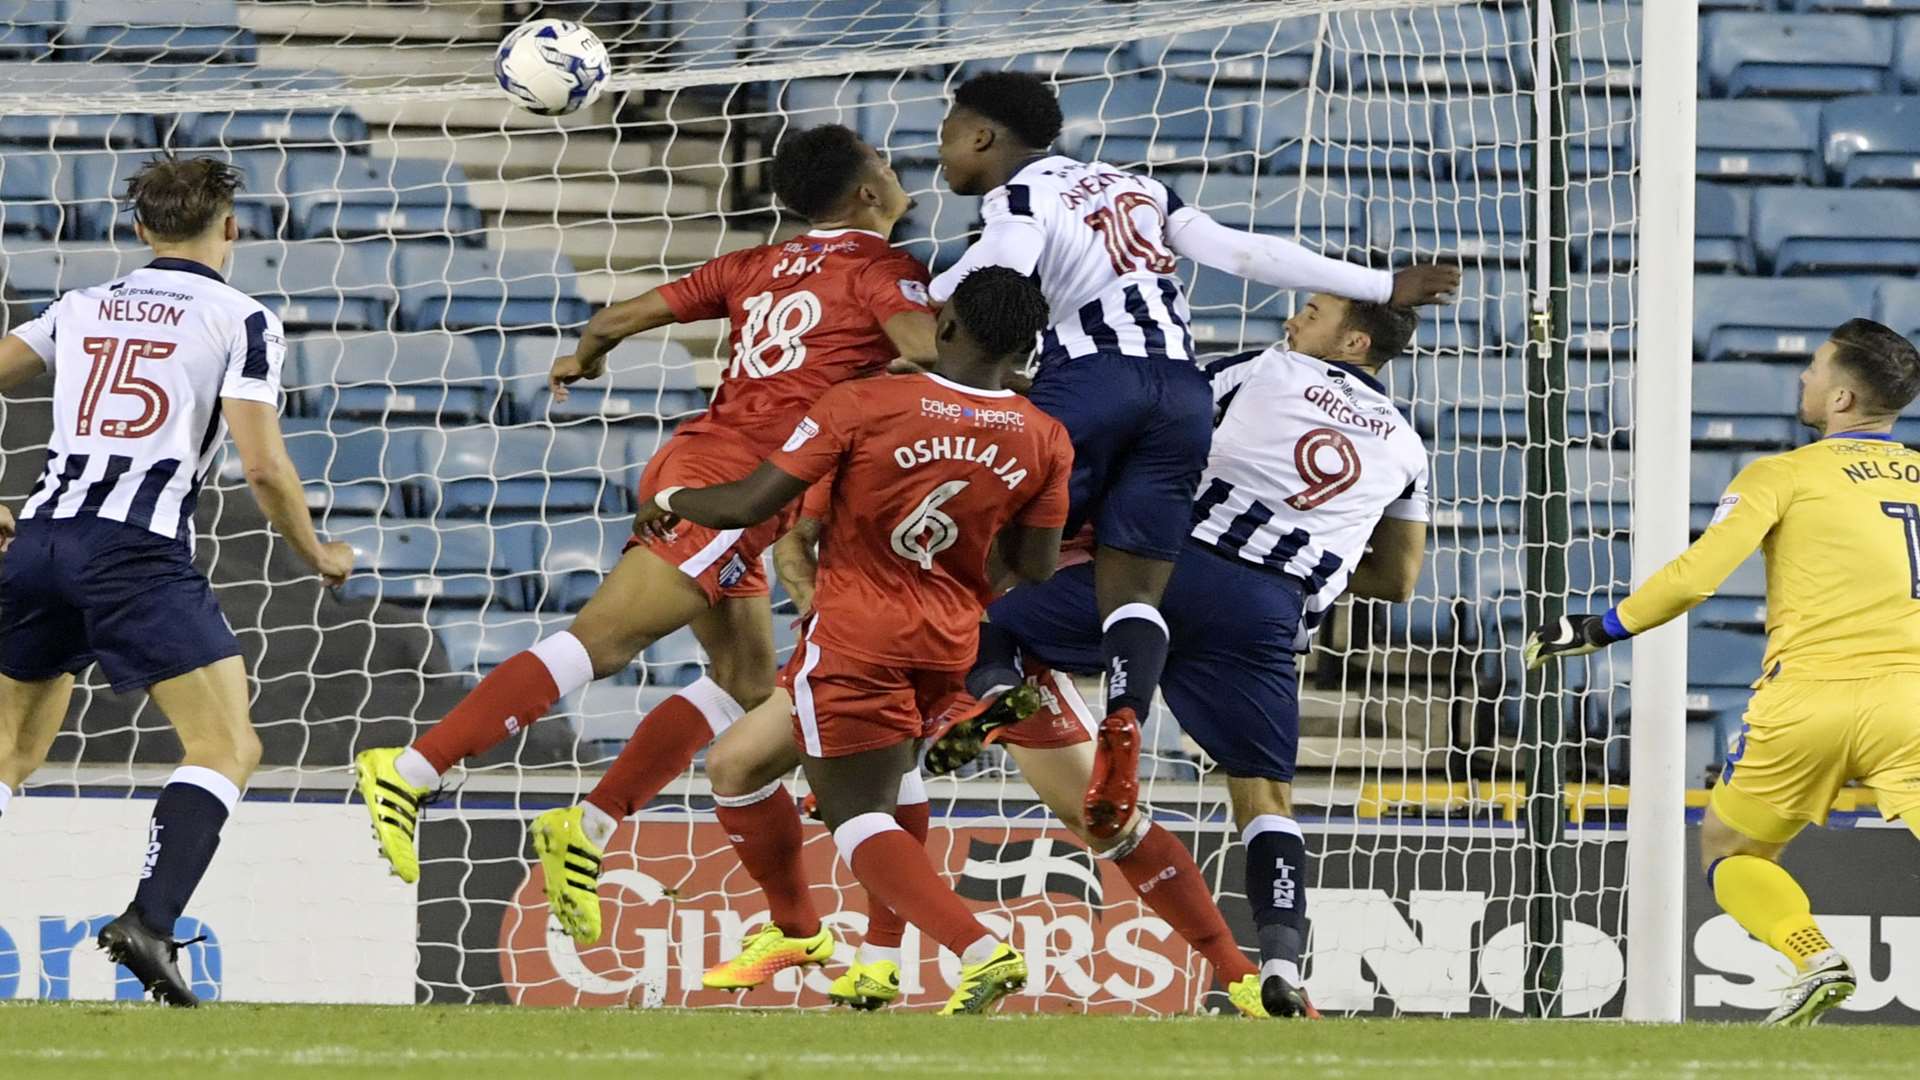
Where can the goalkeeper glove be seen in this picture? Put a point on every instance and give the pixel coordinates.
(1570, 635)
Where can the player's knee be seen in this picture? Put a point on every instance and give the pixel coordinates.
(735, 768)
(233, 750)
(747, 682)
(609, 649)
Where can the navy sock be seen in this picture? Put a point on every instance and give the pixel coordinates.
(997, 664)
(1277, 892)
(180, 843)
(1133, 645)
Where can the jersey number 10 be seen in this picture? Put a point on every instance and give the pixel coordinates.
(113, 363)
(1126, 246)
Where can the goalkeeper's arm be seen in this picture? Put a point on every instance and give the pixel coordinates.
(1284, 264)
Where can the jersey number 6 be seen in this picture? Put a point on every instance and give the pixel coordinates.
(927, 531)
(112, 373)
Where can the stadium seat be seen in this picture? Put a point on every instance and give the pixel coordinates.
(608, 712)
(579, 552)
(1345, 136)
(905, 116)
(1258, 54)
(1491, 312)
(1721, 666)
(1712, 471)
(1906, 54)
(1600, 320)
(935, 229)
(1767, 141)
(33, 190)
(1740, 602)
(1492, 135)
(1474, 225)
(418, 564)
(1600, 222)
(1229, 312)
(1745, 404)
(1865, 7)
(964, 21)
(1325, 217)
(1460, 49)
(1721, 240)
(91, 131)
(1898, 305)
(170, 31)
(1872, 140)
(271, 127)
(649, 379)
(1477, 399)
(478, 471)
(316, 284)
(798, 26)
(1759, 55)
(675, 660)
(1817, 231)
(1605, 49)
(346, 195)
(476, 642)
(344, 470)
(391, 377)
(39, 275)
(1477, 489)
(463, 288)
(100, 186)
(832, 99)
(1162, 123)
(1738, 318)
(1599, 490)
(27, 26)
(1440, 612)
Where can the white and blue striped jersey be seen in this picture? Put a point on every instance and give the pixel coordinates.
(1307, 457)
(1105, 263)
(139, 366)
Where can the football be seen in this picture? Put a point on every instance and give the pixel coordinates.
(552, 66)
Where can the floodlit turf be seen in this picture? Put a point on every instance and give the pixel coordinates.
(149, 1043)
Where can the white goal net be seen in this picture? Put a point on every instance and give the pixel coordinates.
(430, 248)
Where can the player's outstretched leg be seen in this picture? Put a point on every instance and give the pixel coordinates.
(642, 599)
(873, 978)
(1740, 844)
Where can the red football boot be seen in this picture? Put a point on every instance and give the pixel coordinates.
(1115, 787)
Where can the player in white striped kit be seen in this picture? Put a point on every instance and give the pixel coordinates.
(149, 371)
(1117, 368)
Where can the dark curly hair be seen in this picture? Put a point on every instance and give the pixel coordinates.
(813, 170)
(1017, 101)
(1390, 326)
(1002, 309)
(180, 198)
(1881, 363)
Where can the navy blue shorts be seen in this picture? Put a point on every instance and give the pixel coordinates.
(80, 590)
(1231, 678)
(1141, 430)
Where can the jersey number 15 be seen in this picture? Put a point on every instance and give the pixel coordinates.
(113, 363)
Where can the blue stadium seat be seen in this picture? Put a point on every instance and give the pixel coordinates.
(1738, 318)
(1721, 666)
(463, 288)
(965, 21)
(344, 470)
(33, 190)
(935, 229)
(476, 471)
(837, 25)
(1477, 399)
(1906, 54)
(476, 642)
(830, 99)
(100, 186)
(1491, 311)
(1440, 613)
(1605, 49)
(607, 713)
(1326, 217)
(418, 564)
(1599, 570)
(1873, 140)
(1745, 404)
(391, 377)
(1460, 49)
(648, 379)
(1898, 305)
(1259, 54)
(1478, 489)
(1773, 141)
(270, 127)
(171, 31)
(1741, 600)
(674, 660)
(1492, 135)
(40, 275)
(89, 131)
(1165, 123)
(1816, 231)
(1795, 55)
(1600, 320)
(348, 195)
(1720, 229)
(1712, 471)
(1350, 136)
(316, 284)
(1864, 7)
(26, 27)
(1599, 489)
(1600, 221)
(1469, 224)
(903, 117)
(579, 552)
(1229, 313)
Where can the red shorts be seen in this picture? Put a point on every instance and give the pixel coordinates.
(723, 562)
(843, 705)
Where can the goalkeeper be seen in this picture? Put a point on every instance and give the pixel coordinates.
(1838, 697)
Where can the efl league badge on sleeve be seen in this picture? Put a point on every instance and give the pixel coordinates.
(807, 430)
(915, 291)
(1720, 512)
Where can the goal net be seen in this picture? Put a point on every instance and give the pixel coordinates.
(431, 248)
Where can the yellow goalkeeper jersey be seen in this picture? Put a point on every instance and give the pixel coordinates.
(1839, 522)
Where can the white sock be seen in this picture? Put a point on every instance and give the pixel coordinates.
(979, 951)
(566, 660)
(415, 769)
(873, 954)
(1286, 969)
(597, 823)
(6, 796)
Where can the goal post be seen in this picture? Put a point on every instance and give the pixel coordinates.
(430, 248)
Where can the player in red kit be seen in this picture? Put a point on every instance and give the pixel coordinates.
(942, 483)
(832, 304)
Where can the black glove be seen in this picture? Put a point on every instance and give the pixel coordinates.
(1570, 635)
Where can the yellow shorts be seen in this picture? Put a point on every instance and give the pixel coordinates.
(1803, 740)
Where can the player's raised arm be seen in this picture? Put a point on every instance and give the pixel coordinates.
(1283, 264)
(276, 487)
(609, 327)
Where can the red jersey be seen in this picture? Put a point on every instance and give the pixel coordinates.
(806, 314)
(926, 473)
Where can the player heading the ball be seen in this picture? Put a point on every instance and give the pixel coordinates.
(938, 480)
(1117, 368)
(149, 370)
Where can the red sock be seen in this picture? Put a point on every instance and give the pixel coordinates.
(894, 869)
(766, 835)
(512, 696)
(884, 928)
(659, 749)
(1163, 872)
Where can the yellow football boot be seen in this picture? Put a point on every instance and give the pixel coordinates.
(1245, 996)
(394, 806)
(982, 985)
(571, 864)
(766, 952)
(866, 986)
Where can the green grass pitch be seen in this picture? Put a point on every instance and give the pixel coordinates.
(149, 1043)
